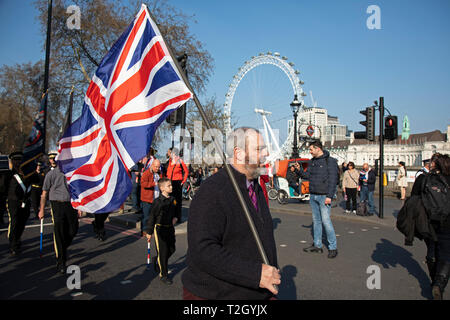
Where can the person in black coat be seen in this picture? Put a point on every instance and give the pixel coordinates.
(163, 216)
(292, 177)
(223, 261)
(367, 179)
(438, 252)
(18, 203)
(322, 174)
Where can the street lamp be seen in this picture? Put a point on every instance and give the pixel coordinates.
(295, 106)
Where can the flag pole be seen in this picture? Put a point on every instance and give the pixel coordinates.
(222, 155)
(40, 240)
(47, 66)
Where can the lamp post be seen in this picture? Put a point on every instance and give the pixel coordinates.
(295, 105)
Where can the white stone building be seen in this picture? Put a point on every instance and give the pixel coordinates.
(412, 151)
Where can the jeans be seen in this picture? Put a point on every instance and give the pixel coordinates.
(367, 195)
(321, 215)
(146, 208)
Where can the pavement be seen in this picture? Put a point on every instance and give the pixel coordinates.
(116, 268)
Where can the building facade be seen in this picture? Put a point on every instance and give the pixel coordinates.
(412, 151)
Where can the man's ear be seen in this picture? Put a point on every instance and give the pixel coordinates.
(239, 154)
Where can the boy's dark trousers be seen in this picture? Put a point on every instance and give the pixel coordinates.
(36, 199)
(165, 246)
(18, 217)
(65, 225)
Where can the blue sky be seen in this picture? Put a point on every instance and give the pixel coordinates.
(345, 65)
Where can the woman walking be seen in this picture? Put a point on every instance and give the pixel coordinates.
(350, 187)
(401, 180)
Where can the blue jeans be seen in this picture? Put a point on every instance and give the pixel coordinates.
(367, 195)
(146, 208)
(321, 215)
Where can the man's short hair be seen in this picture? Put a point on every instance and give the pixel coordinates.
(238, 139)
(162, 181)
(317, 144)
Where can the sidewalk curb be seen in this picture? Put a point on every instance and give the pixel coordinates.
(383, 222)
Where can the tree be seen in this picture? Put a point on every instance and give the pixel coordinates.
(76, 54)
(19, 100)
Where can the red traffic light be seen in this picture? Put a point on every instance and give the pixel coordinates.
(389, 123)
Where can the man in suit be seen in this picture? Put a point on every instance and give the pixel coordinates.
(223, 261)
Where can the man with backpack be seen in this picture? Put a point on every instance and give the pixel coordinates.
(367, 179)
(434, 190)
(323, 176)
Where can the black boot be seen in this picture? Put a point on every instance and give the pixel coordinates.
(102, 235)
(441, 280)
(431, 263)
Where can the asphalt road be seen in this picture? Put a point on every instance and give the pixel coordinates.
(116, 268)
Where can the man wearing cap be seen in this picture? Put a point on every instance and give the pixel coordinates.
(425, 168)
(37, 180)
(18, 203)
(65, 217)
(51, 159)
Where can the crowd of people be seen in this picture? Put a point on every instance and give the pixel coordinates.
(223, 261)
(151, 181)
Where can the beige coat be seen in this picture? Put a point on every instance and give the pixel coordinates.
(351, 179)
(401, 177)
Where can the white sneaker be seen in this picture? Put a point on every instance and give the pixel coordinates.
(347, 211)
(354, 211)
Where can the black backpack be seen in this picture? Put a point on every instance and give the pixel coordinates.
(436, 197)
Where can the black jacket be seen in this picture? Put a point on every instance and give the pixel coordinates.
(322, 174)
(223, 261)
(162, 213)
(292, 177)
(15, 191)
(412, 221)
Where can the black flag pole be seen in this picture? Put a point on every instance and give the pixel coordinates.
(222, 155)
(47, 65)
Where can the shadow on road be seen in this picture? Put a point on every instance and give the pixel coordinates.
(287, 288)
(389, 255)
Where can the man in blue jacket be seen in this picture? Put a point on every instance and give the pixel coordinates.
(367, 179)
(322, 174)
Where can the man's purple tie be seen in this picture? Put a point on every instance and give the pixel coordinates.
(252, 194)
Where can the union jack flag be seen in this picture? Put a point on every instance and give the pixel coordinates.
(135, 88)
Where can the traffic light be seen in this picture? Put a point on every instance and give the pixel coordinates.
(390, 128)
(178, 115)
(369, 123)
